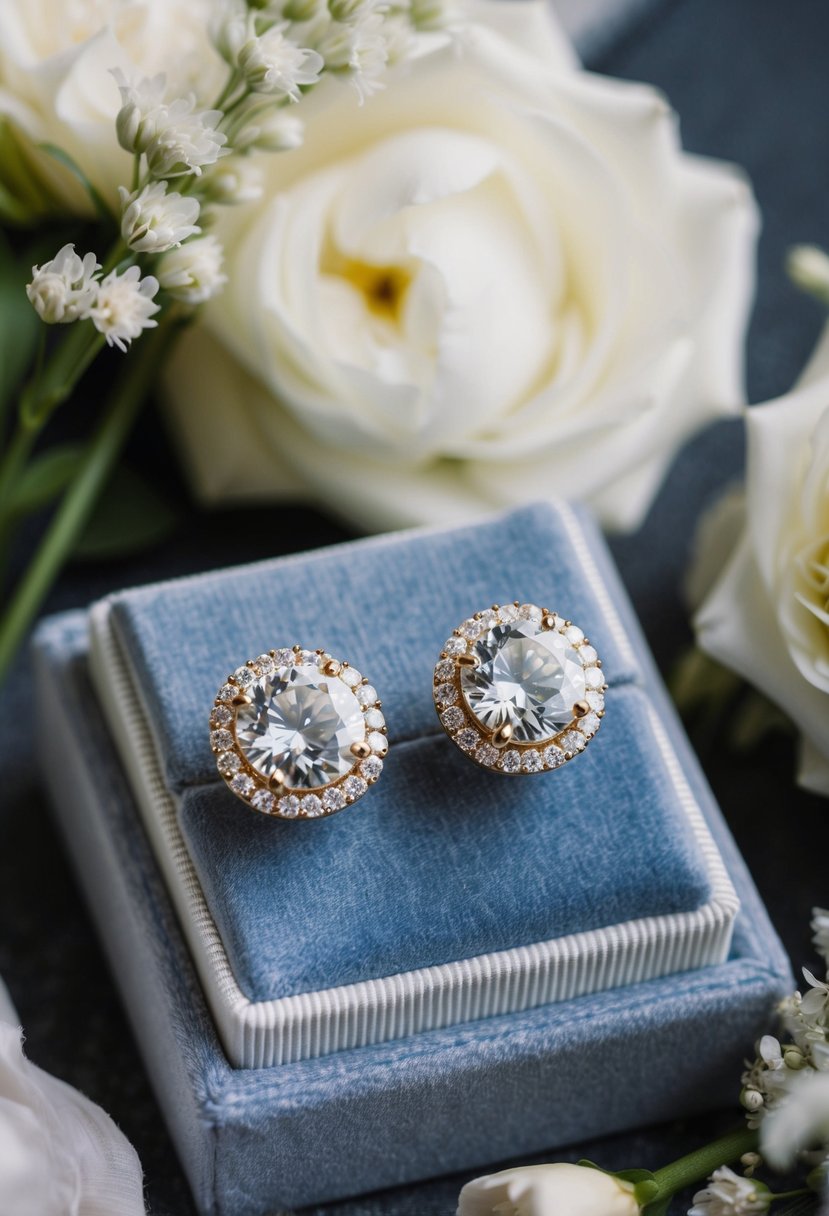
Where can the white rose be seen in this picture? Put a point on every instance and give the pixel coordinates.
(767, 617)
(498, 279)
(547, 1190)
(56, 82)
(60, 1155)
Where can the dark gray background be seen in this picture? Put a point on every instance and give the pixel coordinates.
(749, 79)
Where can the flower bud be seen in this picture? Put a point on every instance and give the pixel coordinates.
(752, 1099)
(193, 273)
(793, 1058)
(154, 220)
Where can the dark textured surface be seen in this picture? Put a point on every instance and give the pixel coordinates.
(749, 80)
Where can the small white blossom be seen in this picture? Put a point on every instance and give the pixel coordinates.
(154, 219)
(820, 916)
(63, 290)
(808, 267)
(124, 306)
(801, 1124)
(729, 1194)
(175, 137)
(193, 273)
(764, 1082)
(235, 180)
(135, 122)
(275, 131)
(358, 50)
(271, 63)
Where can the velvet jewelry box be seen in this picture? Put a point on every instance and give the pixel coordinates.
(461, 968)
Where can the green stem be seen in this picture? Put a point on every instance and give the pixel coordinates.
(76, 506)
(703, 1161)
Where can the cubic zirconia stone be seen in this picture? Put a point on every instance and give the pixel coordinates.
(242, 784)
(366, 694)
(371, 768)
(228, 763)
(374, 719)
(264, 801)
(221, 715)
(487, 754)
(283, 657)
(589, 724)
(244, 677)
(467, 739)
(511, 761)
(453, 718)
(531, 761)
(527, 676)
(553, 756)
(471, 628)
(574, 634)
(351, 676)
(288, 806)
(221, 740)
(377, 742)
(508, 613)
(446, 694)
(588, 655)
(302, 723)
(594, 677)
(354, 787)
(311, 806)
(306, 657)
(227, 692)
(333, 799)
(264, 664)
(595, 699)
(573, 741)
(529, 612)
(445, 670)
(455, 645)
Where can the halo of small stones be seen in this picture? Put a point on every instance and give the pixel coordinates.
(250, 785)
(468, 733)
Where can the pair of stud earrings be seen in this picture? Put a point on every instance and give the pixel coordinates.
(299, 734)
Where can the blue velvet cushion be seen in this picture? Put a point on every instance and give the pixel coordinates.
(304, 906)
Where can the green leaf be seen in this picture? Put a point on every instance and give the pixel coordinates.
(20, 326)
(129, 516)
(63, 158)
(46, 476)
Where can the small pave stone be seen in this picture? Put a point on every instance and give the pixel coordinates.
(471, 628)
(377, 742)
(588, 655)
(553, 756)
(227, 692)
(589, 724)
(453, 718)
(371, 768)
(594, 677)
(221, 740)
(487, 754)
(573, 741)
(283, 657)
(446, 694)
(264, 801)
(511, 761)
(288, 806)
(264, 664)
(455, 645)
(595, 700)
(375, 719)
(354, 787)
(531, 761)
(242, 784)
(445, 670)
(221, 715)
(574, 634)
(333, 799)
(244, 677)
(311, 806)
(529, 612)
(366, 694)
(351, 677)
(467, 739)
(228, 764)
(488, 619)
(507, 613)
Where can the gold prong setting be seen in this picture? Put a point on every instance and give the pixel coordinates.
(496, 748)
(269, 792)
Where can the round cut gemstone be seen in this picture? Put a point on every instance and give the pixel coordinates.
(527, 676)
(302, 723)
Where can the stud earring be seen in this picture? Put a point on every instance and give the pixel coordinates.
(298, 734)
(519, 689)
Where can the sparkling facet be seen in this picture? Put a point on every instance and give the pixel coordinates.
(445, 670)
(488, 619)
(374, 719)
(467, 739)
(221, 715)
(333, 799)
(221, 740)
(354, 787)
(487, 754)
(594, 677)
(228, 763)
(288, 806)
(553, 756)
(311, 805)
(227, 692)
(531, 761)
(573, 741)
(453, 718)
(366, 694)
(446, 694)
(283, 657)
(471, 628)
(526, 676)
(242, 784)
(302, 723)
(511, 761)
(244, 677)
(529, 612)
(264, 664)
(263, 800)
(507, 613)
(371, 768)
(455, 645)
(351, 676)
(378, 742)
